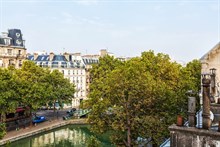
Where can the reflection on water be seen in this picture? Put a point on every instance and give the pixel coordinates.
(72, 135)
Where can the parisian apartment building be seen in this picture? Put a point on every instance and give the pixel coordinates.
(12, 48)
(74, 67)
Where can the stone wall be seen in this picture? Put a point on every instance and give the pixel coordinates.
(193, 137)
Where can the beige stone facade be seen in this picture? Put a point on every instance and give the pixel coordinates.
(10, 55)
(12, 49)
(212, 60)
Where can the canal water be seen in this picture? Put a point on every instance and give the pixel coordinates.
(67, 136)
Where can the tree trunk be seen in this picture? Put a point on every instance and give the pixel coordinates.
(3, 117)
(128, 127)
(31, 124)
(129, 136)
(154, 144)
(54, 110)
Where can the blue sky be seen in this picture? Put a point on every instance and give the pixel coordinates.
(184, 29)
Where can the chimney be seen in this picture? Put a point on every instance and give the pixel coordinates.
(191, 111)
(77, 54)
(103, 52)
(206, 122)
(51, 56)
(4, 34)
(67, 56)
(35, 56)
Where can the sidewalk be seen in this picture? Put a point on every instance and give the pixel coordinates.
(39, 128)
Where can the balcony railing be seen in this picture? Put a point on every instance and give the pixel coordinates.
(8, 54)
(12, 55)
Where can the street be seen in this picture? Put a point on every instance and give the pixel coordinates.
(51, 115)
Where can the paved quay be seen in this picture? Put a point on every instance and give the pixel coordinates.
(12, 136)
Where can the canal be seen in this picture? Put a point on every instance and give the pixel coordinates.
(67, 136)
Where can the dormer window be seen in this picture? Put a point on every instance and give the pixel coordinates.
(7, 41)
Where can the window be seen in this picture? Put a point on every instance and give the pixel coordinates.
(20, 63)
(10, 51)
(19, 52)
(11, 62)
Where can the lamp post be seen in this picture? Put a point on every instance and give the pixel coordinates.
(206, 122)
(213, 90)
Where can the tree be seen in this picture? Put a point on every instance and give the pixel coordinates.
(137, 98)
(39, 85)
(61, 90)
(8, 97)
(32, 86)
(98, 74)
(194, 69)
(8, 93)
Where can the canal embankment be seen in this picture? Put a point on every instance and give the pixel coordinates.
(39, 128)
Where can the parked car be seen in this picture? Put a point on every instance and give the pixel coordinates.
(38, 119)
(71, 111)
(43, 108)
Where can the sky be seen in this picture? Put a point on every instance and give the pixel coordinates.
(183, 29)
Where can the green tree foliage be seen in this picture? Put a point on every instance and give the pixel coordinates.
(138, 98)
(8, 92)
(194, 69)
(33, 88)
(2, 130)
(61, 90)
(8, 96)
(93, 142)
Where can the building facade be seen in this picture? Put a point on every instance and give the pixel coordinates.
(211, 60)
(12, 48)
(73, 66)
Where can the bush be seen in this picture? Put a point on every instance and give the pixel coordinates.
(2, 130)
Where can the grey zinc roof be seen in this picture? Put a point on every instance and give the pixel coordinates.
(42, 58)
(59, 58)
(88, 61)
(31, 57)
(2, 41)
